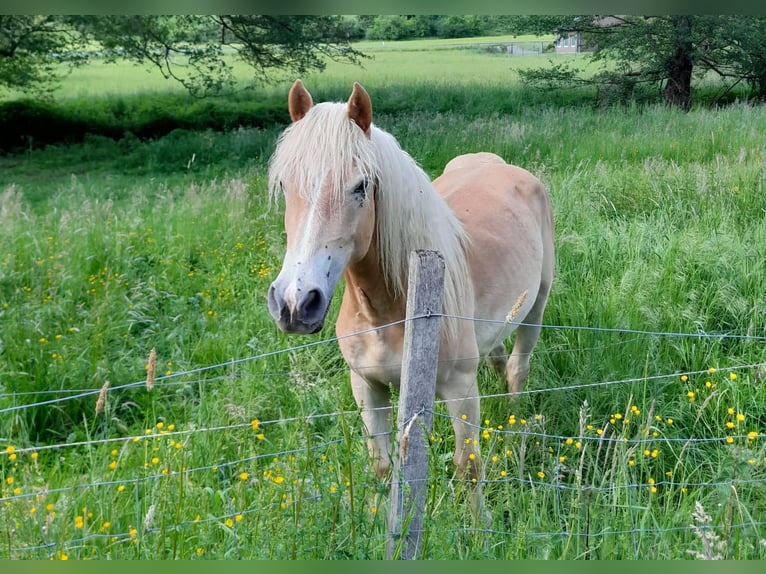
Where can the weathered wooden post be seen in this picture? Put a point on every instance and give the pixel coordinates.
(416, 398)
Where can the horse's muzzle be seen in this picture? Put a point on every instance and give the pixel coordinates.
(303, 316)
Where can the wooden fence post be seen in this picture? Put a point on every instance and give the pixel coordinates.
(416, 398)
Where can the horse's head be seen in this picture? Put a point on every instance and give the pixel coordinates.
(324, 165)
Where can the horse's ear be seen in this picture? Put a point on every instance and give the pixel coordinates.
(299, 101)
(360, 107)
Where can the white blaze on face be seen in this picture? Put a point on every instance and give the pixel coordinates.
(323, 237)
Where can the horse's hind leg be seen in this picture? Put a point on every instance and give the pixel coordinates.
(498, 359)
(527, 334)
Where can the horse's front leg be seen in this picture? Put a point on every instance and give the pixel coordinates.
(375, 401)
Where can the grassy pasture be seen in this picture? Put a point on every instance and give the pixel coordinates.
(245, 448)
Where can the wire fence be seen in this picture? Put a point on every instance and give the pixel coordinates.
(556, 479)
(175, 378)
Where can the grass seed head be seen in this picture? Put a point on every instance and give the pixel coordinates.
(151, 369)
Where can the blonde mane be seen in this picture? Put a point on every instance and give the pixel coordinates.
(409, 213)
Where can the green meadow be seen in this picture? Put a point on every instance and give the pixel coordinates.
(150, 408)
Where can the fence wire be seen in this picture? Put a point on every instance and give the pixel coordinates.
(529, 481)
(166, 379)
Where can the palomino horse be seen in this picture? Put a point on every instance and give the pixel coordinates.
(356, 205)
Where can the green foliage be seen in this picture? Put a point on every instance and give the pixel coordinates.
(664, 53)
(391, 28)
(401, 27)
(733, 49)
(195, 50)
(30, 124)
(455, 26)
(111, 248)
(32, 50)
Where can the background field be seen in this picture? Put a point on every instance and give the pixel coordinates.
(645, 399)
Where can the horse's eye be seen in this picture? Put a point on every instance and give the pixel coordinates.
(361, 189)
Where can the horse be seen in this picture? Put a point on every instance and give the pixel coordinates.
(355, 205)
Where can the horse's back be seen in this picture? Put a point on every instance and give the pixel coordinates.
(470, 160)
(482, 189)
(487, 177)
(507, 214)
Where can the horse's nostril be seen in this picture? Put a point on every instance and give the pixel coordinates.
(311, 304)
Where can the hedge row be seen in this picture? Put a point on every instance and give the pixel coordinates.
(31, 124)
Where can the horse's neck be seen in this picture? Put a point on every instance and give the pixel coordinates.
(368, 293)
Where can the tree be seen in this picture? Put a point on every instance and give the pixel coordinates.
(734, 49)
(196, 50)
(458, 26)
(679, 63)
(33, 49)
(665, 52)
(390, 27)
(538, 25)
(658, 50)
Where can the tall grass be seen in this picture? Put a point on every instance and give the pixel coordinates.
(111, 249)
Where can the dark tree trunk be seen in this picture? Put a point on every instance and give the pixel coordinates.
(678, 89)
(760, 83)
